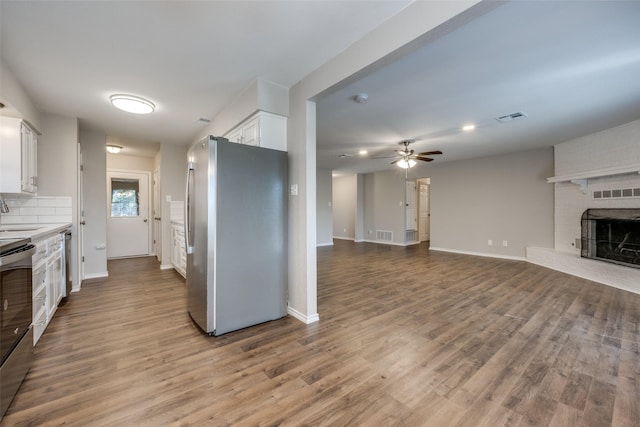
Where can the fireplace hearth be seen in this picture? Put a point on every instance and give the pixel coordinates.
(612, 235)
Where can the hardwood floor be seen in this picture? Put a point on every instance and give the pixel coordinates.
(406, 337)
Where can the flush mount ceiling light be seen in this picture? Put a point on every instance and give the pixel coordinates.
(132, 104)
(363, 152)
(468, 128)
(114, 149)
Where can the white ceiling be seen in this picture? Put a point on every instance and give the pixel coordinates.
(190, 58)
(573, 67)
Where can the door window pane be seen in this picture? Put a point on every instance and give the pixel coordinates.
(125, 195)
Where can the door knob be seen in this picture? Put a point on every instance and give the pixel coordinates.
(145, 220)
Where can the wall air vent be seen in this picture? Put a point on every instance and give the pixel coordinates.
(384, 236)
(511, 117)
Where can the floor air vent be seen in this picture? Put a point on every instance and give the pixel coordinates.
(384, 236)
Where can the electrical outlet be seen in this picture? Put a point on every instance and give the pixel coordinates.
(345, 230)
(505, 243)
(490, 242)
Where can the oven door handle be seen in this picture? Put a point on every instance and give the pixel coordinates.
(15, 257)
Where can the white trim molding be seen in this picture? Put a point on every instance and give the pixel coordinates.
(96, 275)
(166, 266)
(455, 251)
(301, 317)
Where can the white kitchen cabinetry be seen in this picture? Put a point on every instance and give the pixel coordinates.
(179, 251)
(18, 157)
(262, 129)
(48, 280)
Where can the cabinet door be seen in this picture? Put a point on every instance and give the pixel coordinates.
(29, 158)
(251, 132)
(235, 135)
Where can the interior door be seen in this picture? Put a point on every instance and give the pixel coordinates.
(81, 222)
(424, 212)
(411, 206)
(128, 225)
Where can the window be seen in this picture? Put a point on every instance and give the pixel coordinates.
(125, 195)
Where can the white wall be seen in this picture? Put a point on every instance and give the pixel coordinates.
(14, 97)
(95, 203)
(172, 166)
(58, 171)
(499, 198)
(384, 204)
(130, 163)
(344, 207)
(616, 147)
(324, 225)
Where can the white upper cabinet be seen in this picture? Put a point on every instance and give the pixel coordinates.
(18, 157)
(263, 129)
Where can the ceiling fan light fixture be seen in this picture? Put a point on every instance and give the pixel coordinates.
(132, 104)
(406, 164)
(114, 149)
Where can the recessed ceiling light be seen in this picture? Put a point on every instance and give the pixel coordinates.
(467, 128)
(114, 149)
(363, 152)
(132, 104)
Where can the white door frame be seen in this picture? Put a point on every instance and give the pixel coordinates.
(426, 182)
(79, 237)
(148, 204)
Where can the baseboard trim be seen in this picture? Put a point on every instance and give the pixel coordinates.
(166, 266)
(301, 317)
(96, 275)
(324, 244)
(387, 243)
(482, 254)
(343, 238)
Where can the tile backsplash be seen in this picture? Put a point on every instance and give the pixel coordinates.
(176, 211)
(37, 210)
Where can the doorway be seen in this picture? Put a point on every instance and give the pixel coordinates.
(128, 225)
(424, 215)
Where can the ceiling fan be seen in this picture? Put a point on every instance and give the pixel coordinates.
(407, 159)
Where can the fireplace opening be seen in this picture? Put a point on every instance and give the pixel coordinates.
(612, 235)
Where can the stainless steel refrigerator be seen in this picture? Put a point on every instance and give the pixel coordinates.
(236, 235)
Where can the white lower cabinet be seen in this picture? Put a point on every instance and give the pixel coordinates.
(47, 281)
(179, 251)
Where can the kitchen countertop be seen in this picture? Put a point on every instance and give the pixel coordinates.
(32, 231)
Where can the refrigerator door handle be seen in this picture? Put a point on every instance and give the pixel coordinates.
(187, 213)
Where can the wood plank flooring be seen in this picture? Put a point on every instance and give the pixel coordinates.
(406, 337)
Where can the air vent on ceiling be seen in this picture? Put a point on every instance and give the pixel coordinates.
(344, 156)
(511, 117)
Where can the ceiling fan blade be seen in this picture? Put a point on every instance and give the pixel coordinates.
(424, 159)
(429, 153)
(383, 157)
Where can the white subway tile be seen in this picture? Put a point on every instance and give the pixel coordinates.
(20, 219)
(37, 211)
(64, 211)
(55, 219)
